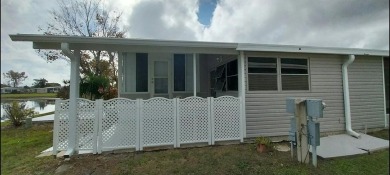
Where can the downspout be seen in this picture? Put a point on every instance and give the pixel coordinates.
(347, 106)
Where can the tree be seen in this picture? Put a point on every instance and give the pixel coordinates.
(39, 83)
(15, 78)
(85, 18)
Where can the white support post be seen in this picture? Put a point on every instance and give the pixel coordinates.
(194, 72)
(73, 95)
(212, 116)
(241, 90)
(56, 125)
(209, 120)
(120, 74)
(141, 123)
(97, 122)
(99, 104)
(176, 127)
(138, 125)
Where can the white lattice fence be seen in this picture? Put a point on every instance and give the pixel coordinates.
(194, 120)
(87, 124)
(61, 126)
(118, 124)
(122, 123)
(158, 122)
(226, 111)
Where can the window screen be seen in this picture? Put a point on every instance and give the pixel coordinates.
(179, 72)
(295, 74)
(141, 72)
(231, 76)
(262, 73)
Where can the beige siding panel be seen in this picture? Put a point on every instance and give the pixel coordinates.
(366, 92)
(266, 111)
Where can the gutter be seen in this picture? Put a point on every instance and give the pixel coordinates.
(347, 105)
(65, 49)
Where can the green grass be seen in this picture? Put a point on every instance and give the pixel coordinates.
(32, 95)
(20, 146)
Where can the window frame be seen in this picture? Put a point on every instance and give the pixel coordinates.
(226, 76)
(279, 74)
(126, 55)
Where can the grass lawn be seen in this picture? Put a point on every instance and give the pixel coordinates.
(20, 146)
(24, 96)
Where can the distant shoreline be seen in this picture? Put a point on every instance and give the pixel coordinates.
(28, 96)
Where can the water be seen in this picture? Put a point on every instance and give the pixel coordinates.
(39, 105)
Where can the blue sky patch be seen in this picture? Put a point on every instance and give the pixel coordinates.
(206, 9)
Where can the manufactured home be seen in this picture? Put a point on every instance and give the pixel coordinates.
(218, 88)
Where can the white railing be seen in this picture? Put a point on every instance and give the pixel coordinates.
(123, 123)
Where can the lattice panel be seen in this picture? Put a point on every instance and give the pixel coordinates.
(227, 118)
(86, 120)
(62, 125)
(194, 118)
(158, 121)
(119, 123)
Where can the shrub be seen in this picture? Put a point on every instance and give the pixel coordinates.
(17, 113)
(263, 140)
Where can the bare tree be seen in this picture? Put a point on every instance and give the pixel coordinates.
(85, 18)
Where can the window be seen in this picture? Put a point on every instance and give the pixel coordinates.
(220, 84)
(295, 75)
(135, 72)
(262, 73)
(179, 72)
(232, 76)
(225, 77)
(141, 72)
(183, 72)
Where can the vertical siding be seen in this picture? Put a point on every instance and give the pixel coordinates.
(265, 111)
(366, 92)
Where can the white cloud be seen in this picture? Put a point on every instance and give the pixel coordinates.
(337, 23)
(342, 23)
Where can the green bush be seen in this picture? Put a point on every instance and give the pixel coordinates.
(263, 140)
(17, 113)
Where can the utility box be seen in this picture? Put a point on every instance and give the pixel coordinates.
(290, 105)
(314, 108)
(293, 130)
(313, 133)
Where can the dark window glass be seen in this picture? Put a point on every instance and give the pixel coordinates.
(141, 72)
(212, 79)
(232, 83)
(221, 78)
(258, 82)
(261, 65)
(179, 72)
(231, 68)
(294, 66)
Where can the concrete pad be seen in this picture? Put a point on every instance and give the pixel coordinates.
(46, 118)
(346, 145)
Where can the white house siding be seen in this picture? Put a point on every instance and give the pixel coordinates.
(265, 110)
(366, 92)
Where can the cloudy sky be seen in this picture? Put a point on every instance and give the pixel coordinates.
(336, 23)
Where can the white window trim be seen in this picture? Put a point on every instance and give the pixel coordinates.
(279, 74)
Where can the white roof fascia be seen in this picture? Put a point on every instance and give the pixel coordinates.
(58, 39)
(310, 49)
(117, 41)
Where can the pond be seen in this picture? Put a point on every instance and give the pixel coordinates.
(39, 105)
